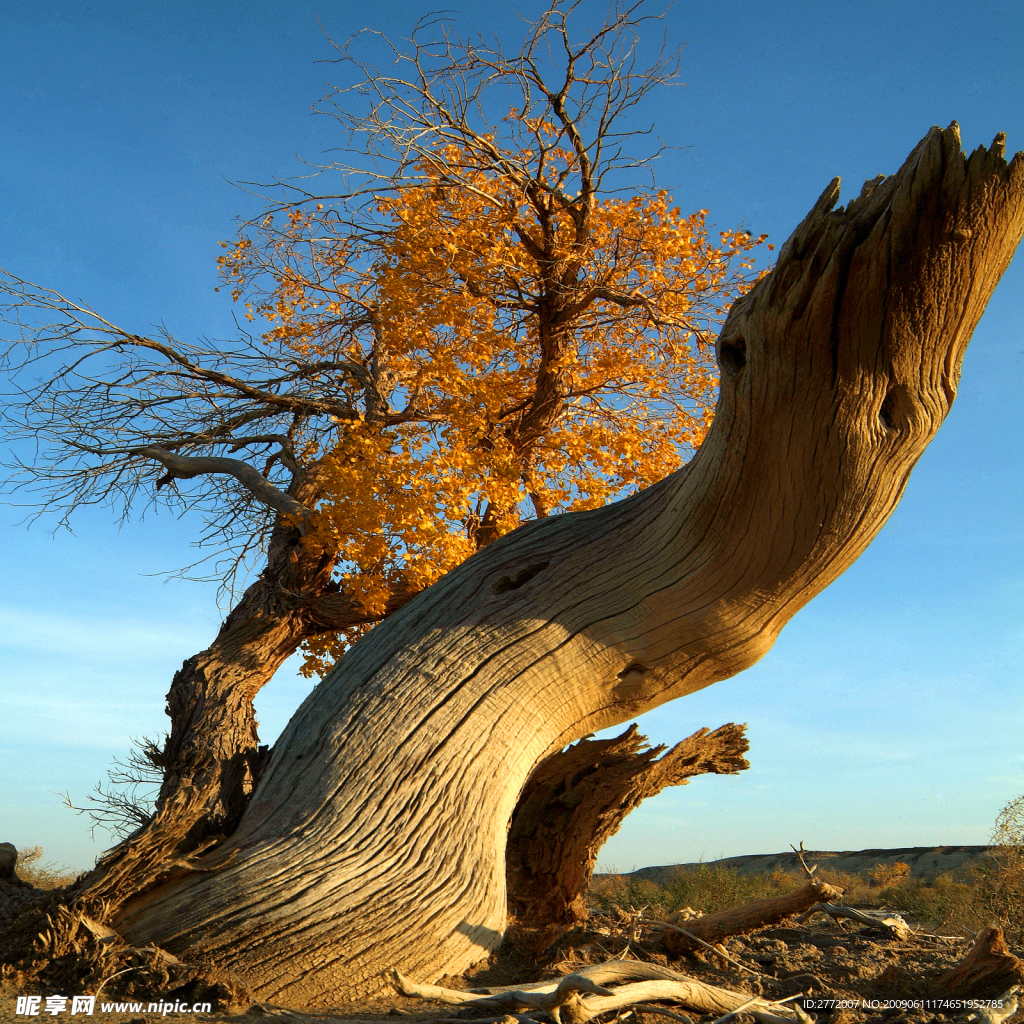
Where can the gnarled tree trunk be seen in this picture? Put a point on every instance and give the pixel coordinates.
(376, 835)
(575, 800)
(212, 758)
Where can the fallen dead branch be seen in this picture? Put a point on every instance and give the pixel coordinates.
(800, 856)
(892, 923)
(505, 1018)
(550, 998)
(733, 1013)
(584, 994)
(694, 995)
(750, 917)
(1005, 1006)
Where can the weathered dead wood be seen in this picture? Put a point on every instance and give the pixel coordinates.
(660, 1011)
(719, 951)
(891, 923)
(505, 1018)
(694, 995)
(1002, 1007)
(564, 993)
(575, 800)
(803, 863)
(563, 997)
(988, 970)
(377, 832)
(750, 917)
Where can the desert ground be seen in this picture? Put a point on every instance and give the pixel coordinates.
(853, 972)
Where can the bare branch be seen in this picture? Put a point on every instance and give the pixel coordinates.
(181, 468)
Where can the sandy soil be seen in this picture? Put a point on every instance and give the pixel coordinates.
(826, 960)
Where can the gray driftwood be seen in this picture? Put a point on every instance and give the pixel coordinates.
(376, 835)
(584, 994)
(894, 924)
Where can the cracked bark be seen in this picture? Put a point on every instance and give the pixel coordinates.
(376, 836)
(575, 800)
(212, 758)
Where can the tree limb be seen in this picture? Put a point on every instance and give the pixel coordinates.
(181, 467)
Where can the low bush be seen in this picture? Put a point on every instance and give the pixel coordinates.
(705, 888)
(43, 876)
(992, 894)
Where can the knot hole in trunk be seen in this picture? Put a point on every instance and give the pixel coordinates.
(633, 667)
(732, 356)
(897, 409)
(514, 582)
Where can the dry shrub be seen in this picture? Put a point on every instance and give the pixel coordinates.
(945, 904)
(856, 889)
(999, 892)
(883, 876)
(609, 892)
(43, 876)
(1001, 881)
(706, 887)
(989, 894)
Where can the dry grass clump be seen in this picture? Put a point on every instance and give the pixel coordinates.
(885, 875)
(706, 888)
(988, 894)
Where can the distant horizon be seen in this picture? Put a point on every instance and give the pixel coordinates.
(923, 861)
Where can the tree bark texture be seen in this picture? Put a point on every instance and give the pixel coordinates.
(376, 835)
(987, 972)
(575, 800)
(212, 757)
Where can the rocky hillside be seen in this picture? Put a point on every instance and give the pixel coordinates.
(925, 862)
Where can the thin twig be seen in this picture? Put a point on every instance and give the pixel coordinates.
(662, 1010)
(739, 1009)
(706, 945)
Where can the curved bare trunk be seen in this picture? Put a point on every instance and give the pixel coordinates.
(376, 836)
(212, 758)
(575, 800)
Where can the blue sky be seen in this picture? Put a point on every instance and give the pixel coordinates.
(888, 714)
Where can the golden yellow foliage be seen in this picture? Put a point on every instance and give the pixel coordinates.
(523, 352)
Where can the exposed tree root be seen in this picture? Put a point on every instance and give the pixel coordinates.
(56, 947)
